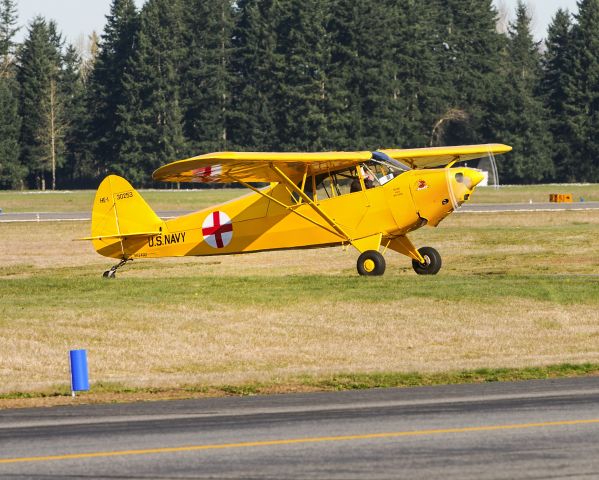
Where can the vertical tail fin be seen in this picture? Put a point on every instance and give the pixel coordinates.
(119, 211)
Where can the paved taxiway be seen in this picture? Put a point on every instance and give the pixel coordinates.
(532, 430)
(468, 208)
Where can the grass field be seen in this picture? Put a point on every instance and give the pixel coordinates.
(516, 291)
(81, 200)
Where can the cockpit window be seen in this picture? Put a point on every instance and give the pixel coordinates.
(377, 171)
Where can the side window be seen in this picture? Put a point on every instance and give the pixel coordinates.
(331, 185)
(347, 181)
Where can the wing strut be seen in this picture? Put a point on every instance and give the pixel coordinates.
(289, 207)
(310, 202)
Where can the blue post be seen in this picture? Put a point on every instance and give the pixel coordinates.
(79, 375)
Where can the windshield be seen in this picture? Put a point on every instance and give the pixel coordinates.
(391, 163)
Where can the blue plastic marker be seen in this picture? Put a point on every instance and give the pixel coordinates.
(79, 375)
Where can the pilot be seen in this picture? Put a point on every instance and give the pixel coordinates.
(368, 181)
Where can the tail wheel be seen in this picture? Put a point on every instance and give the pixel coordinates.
(432, 262)
(371, 263)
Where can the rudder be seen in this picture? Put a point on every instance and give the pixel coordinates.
(119, 211)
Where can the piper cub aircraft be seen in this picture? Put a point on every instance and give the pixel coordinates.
(369, 200)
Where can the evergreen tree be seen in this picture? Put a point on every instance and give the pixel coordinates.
(257, 68)
(11, 170)
(557, 80)
(583, 92)
(106, 89)
(150, 121)
(379, 78)
(40, 104)
(363, 91)
(470, 59)
(79, 165)
(206, 78)
(421, 82)
(521, 116)
(343, 101)
(8, 29)
(303, 49)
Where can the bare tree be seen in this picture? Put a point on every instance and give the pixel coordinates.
(503, 17)
(88, 52)
(51, 134)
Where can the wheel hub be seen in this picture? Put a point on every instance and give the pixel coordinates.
(369, 265)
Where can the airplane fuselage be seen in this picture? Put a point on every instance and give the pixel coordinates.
(257, 222)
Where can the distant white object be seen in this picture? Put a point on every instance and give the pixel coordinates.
(485, 181)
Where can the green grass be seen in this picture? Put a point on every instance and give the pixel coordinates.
(534, 193)
(81, 200)
(82, 292)
(517, 298)
(336, 382)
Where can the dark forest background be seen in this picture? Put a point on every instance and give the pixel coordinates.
(184, 77)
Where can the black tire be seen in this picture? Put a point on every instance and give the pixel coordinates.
(433, 262)
(371, 263)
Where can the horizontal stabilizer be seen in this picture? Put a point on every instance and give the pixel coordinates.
(126, 235)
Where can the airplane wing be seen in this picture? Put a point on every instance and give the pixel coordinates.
(441, 156)
(231, 167)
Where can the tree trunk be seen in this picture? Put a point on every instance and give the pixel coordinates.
(53, 131)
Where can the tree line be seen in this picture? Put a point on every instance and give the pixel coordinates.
(182, 77)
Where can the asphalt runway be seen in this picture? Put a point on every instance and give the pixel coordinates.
(526, 430)
(468, 208)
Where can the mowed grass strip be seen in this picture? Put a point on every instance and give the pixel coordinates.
(108, 392)
(516, 291)
(81, 200)
(534, 193)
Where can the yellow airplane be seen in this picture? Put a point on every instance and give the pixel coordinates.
(370, 200)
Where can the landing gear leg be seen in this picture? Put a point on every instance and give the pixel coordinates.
(112, 272)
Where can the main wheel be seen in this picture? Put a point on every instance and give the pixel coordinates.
(432, 262)
(372, 263)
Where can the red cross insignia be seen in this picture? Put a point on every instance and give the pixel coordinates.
(207, 173)
(217, 230)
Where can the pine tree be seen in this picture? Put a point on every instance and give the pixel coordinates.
(106, 92)
(150, 120)
(40, 103)
(8, 29)
(583, 92)
(520, 112)
(79, 165)
(303, 49)
(206, 78)
(257, 68)
(343, 101)
(363, 103)
(11, 170)
(470, 59)
(556, 80)
(421, 82)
